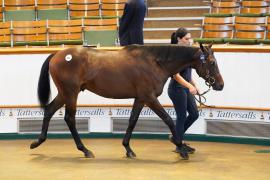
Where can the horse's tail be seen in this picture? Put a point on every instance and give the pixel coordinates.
(44, 89)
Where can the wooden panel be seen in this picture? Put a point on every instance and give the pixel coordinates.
(59, 30)
(226, 34)
(5, 38)
(225, 10)
(112, 13)
(4, 32)
(217, 27)
(268, 35)
(96, 28)
(30, 38)
(51, 4)
(250, 20)
(24, 24)
(1, 12)
(230, 4)
(254, 4)
(218, 20)
(249, 35)
(249, 27)
(113, 1)
(254, 10)
(5, 24)
(84, 7)
(19, 5)
(83, 1)
(58, 23)
(100, 22)
(112, 6)
(29, 31)
(74, 36)
(84, 10)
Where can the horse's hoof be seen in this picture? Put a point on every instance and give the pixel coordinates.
(131, 154)
(34, 144)
(89, 154)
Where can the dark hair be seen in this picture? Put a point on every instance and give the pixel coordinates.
(180, 33)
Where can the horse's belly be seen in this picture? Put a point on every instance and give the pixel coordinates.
(113, 90)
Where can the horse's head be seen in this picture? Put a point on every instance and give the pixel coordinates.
(207, 68)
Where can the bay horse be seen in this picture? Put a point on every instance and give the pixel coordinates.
(135, 71)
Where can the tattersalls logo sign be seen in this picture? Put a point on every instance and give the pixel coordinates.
(235, 115)
(246, 115)
(147, 112)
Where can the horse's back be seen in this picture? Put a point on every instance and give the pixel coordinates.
(113, 74)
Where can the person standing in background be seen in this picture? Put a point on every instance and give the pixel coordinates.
(181, 91)
(131, 23)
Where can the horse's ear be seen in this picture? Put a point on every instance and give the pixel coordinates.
(201, 47)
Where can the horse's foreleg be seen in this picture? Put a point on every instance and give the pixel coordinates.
(137, 108)
(49, 111)
(154, 104)
(70, 120)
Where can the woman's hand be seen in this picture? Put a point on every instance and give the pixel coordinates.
(192, 89)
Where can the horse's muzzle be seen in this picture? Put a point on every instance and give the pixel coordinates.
(218, 87)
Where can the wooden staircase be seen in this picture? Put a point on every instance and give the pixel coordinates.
(165, 16)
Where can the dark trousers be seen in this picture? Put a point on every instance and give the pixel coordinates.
(183, 102)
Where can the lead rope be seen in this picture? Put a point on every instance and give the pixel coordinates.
(202, 99)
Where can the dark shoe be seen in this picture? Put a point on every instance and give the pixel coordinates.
(189, 149)
(183, 152)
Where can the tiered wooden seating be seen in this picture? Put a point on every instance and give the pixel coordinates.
(112, 7)
(216, 29)
(67, 32)
(5, 34)
(19, 10)
(52, 9)
(29, 33)
(266, 40)
(248, 30)
(254, 7)
(220, 7)
(100, 31)
(84, 9)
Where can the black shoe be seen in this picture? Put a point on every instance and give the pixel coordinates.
(183, 152)
(189, 149)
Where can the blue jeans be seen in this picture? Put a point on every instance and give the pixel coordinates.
(183, 102)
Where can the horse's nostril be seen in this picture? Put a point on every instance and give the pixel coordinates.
(220, 87)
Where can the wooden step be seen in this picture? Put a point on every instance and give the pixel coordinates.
(171, 23)
(177, 12)
(157, 34)
(174, 3)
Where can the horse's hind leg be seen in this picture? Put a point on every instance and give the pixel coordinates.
(154, 104)
(49, 111)
(137, 108)
(70, 120)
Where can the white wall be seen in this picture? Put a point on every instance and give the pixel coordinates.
(245, 76)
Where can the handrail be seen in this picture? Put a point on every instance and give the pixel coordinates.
(130, 105)
(216, 48)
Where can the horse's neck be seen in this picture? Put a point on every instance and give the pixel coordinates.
(178, 65)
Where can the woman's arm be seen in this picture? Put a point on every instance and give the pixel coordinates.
(183, 82)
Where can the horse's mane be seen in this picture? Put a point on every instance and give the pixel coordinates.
(164, 53)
